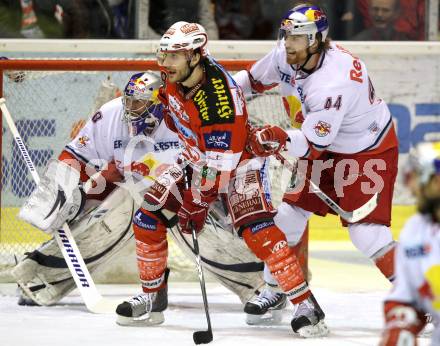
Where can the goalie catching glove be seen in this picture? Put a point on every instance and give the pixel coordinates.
(58, 198)
(267, 140)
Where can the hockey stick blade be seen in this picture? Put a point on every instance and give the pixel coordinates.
(202, 337)
(350, 216)
(365, 210)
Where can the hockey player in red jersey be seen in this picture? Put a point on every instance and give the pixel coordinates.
(129, 133)
(345, 135)
(416, 289)
(207, 111)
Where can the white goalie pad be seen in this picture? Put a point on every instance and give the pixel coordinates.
(100, 233)
(225, 256)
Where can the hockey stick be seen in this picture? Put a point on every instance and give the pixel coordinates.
(200, 336)
(84, 282)
(349, 216)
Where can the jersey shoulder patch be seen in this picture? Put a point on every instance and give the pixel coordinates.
(214, 100)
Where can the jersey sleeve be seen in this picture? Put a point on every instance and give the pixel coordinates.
(93, 144)
(261, 76)
(327, 107)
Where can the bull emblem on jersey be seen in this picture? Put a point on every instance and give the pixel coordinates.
(322, 128)
(82, 141)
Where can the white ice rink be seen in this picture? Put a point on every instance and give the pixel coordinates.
(349, 290)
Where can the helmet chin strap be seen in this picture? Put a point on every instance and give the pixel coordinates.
(309, 55)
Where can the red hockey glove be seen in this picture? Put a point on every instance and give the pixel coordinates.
(403, 323)
(193, 211)
(267, 140)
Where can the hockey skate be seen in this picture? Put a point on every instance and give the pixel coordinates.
(308, 319)
(266, 308)
(145, 309)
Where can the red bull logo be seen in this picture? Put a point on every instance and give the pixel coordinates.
(82, 141)
(322, 128)
(315, 15)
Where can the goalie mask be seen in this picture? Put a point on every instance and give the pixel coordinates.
(142, 108)
(304, 20)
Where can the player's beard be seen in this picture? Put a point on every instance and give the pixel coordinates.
(178, 76)
(297, 57)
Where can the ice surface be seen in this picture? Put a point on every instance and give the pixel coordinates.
(350, 294)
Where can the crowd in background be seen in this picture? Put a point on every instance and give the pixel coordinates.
(223, 19)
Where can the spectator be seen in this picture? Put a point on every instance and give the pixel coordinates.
(411, 21)
(166, 12)
(383, 14)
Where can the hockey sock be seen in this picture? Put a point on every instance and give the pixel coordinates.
(270, 245)
(384, 260)
(151, 250)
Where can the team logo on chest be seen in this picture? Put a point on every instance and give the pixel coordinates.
(218, 140)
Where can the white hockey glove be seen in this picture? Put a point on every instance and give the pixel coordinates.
(58, 198)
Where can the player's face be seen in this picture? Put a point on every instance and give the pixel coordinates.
(136, 107)
(296, 49)
(428, 197)
(176, 66)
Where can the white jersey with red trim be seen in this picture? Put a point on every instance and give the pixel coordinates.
(340, 110)
(417, 267)
(105, 138)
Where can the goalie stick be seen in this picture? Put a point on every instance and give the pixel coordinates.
(92, 298)
(350, 216)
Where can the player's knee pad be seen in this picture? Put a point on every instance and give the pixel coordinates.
(292, 221)
(148, 227)
(369, 238)
(384, 260)
(263, 238)
(270, 244)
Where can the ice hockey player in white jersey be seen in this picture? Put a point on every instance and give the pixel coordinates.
(344, 133)
(416, 289)
(126, 141)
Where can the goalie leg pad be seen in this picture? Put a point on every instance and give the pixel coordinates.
(270, 245)
(225, 256)
(43, 275)
(151, 249)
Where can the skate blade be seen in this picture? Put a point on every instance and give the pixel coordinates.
(270, 318)
(151, 319)
(317, 331)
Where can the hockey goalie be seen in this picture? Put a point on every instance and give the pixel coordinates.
(120, 151)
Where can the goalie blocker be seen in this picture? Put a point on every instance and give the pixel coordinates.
(43, 276)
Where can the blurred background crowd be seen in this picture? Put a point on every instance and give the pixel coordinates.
(223, 19)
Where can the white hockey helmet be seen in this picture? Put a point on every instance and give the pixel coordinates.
(424, 160)
(145, 116)
(184, 36)
(307, 20)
